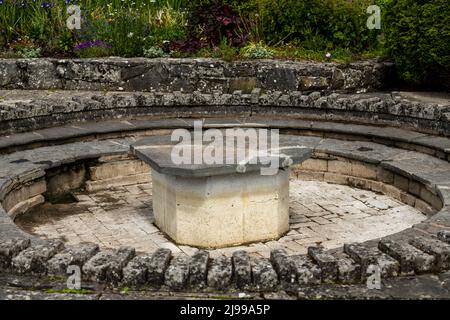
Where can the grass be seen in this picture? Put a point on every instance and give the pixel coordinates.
(70, 291)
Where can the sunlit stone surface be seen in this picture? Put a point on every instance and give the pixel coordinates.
(219, 205)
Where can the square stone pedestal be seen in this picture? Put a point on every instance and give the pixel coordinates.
(222, 210)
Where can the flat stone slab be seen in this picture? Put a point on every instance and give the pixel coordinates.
(157, 151)
(226, 201)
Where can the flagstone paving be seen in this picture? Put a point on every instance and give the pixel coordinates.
(320, 213)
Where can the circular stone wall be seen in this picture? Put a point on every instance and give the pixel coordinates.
(320, 213)
(380, 149)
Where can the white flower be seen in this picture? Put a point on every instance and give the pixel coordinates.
(130, 34)
(328, 55)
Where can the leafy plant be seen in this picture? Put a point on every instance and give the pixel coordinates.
(210, 23)
(418, 40)
(30, 52)
(97, 48)
(65, 42)
(154, 52)
(256, 51)
(318, 24)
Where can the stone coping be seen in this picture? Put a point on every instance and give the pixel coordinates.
(23, 111)
(437, 146)
(188, 75)
(421, 249)
(157, 152)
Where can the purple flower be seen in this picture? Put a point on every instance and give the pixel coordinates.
(90, 44)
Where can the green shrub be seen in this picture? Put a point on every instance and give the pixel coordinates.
(318, 24)
(30, 52)
(154, 52)
(256, 51)
(418, 39)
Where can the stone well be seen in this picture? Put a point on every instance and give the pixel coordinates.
(219, 205)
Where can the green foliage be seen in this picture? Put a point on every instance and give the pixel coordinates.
(125, 24)
(65, 41)
(318, 24)
(415, 33)
(256, 51)
(418, 39)
(154, 52)
(70, 291)
(224, 51)
(94, 52)
(29, 52)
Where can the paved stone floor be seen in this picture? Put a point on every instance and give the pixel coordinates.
(320, 212)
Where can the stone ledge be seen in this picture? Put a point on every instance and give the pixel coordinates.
(24, 110)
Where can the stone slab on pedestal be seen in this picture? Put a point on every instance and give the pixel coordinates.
(219, 205)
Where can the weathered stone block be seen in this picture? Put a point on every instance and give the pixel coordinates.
(363, 170)
(401, 182)
(327, 263)
(315, 165)
(283, 265)
(245, 84)
(385, 176)
(414, 188)
(242, 269)
(118, 169)
(411, 259)
(158, 266)
(176, 276)
(135, 273)
(24, 206)
(440, 250)
(429, 197)
(306, 271)
(77, 255)
(348, 271)
(278, 78)
(10, 249)
(313, 83)
(121, 259)
(93, 186)
(198, 269)
(424, 207)
(107, 265)
(368, 255)
(444, 236)
(341, 167)
(335, 178)
(264, 276)
(23, 193)
(220, 273)
(34, 259)
(65, 179)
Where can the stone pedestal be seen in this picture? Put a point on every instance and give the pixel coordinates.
(223, 210)
(219, 205)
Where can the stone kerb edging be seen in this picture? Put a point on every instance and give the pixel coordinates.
(188, 75)
(413, 251)
(417, 255)
(32, 110)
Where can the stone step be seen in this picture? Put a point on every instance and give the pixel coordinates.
(22, 110)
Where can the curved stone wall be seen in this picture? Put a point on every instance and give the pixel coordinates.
(189, 75)
(394, 143)
(405, 174)
(30, 110)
